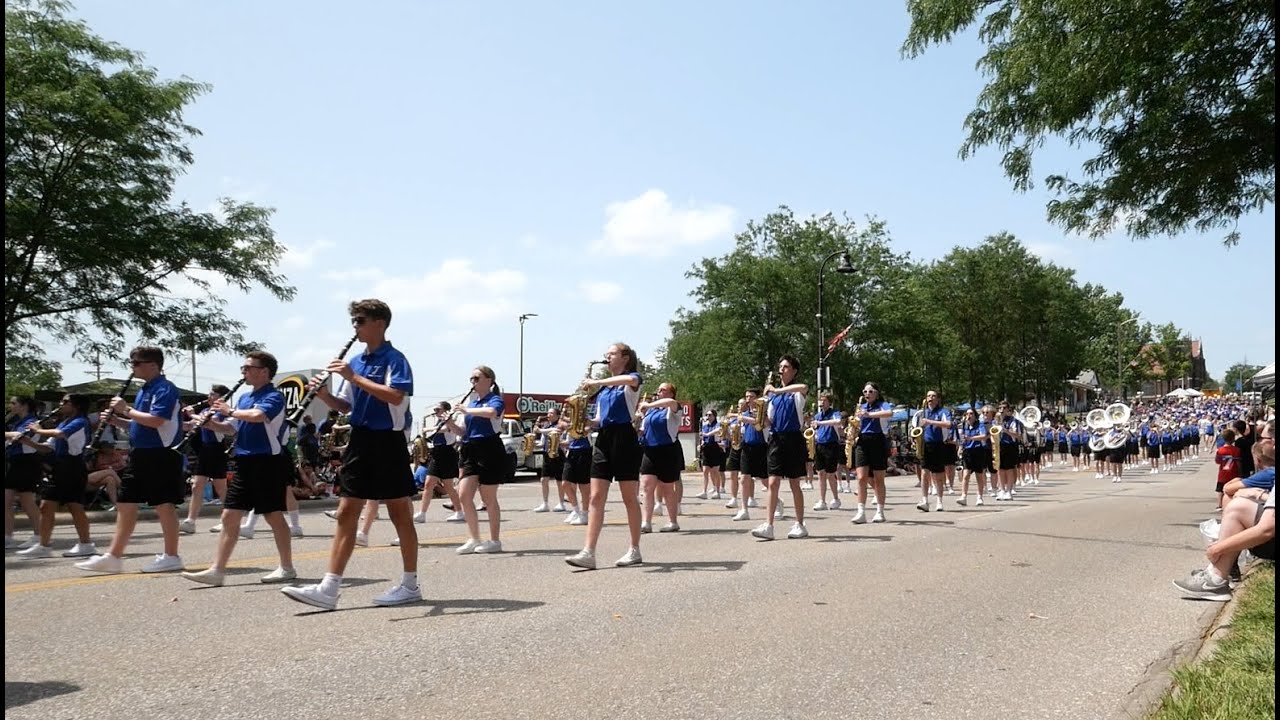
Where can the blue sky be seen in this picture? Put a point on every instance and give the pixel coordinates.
(474, 161)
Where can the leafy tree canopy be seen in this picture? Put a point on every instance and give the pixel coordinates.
(94, 247)
(27, 372)
(1177, 99)
(1241, 372)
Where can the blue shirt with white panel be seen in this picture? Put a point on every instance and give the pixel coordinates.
(264, 438)
(384, 366)
(159, 397)
(616, 404)
(478, 427)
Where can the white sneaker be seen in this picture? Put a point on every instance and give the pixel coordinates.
(468, 547)
(362, 540)
(296, 531)
(206, 577)
(398, 595)
(81, 550)
(542, 508)
(742, 515)
(246, 532)
(733, 502)
(560, 507)
(806, 485)
(753, 503)
(764, 532)
(37, 551)
(569, 518)
(859, 516)
(456, 517)
(701, 496)
(923, 505)
(489, 546)
(331, 514)
(163, 563)
(187, 526)
(798, 531)
(878, 517)
(30, 542)
(938, 507)
(670, 527)
(584, 559)
(216, 529)
(979, 501)
(646, 527)
(834, 504)
(395, 541)
(312, 595)
(279, 575)
(420, 517)
(579, 519)
(819, 506)
(631, 558)
(103, 563)
(962, 501)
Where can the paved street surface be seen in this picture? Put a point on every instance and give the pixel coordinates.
(1056, 605)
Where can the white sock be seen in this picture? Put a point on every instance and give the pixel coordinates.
(294, 519)
(409, 579)
(330, 584)
(250, 521)
(1213, 575)
(861, 508)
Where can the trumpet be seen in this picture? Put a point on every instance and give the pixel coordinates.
(296, 416)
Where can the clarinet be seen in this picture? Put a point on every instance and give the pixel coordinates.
(39, 423)
(204, 418)
(295, 418)
(102, 425)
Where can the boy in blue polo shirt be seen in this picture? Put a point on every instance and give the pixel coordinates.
(375, 390)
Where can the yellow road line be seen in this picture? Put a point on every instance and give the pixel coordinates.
(253, 562)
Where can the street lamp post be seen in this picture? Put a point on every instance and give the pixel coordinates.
(845, 266)
(520, 386)
(1122, 394)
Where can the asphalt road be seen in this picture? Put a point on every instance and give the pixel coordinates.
(1056, 605)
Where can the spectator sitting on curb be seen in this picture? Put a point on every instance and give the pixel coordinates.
(1264, 477)
(1248, 523)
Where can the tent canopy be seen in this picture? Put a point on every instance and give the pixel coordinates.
(1184, 393)
(1265, 377)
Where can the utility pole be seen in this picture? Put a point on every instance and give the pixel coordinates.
(194, 388)
(97, 366)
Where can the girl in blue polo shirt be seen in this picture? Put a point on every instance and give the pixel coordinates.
(484, 460)
(788, 453)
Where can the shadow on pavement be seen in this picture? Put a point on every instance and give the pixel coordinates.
(850, 538)
(694, 566)
(17, 694)
(439, 608)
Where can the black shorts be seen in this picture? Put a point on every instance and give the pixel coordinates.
(70, 479)
(577, 466)
(733, 463)
(755, 460)
(1008, 456)
(22, 472)
(712, 455)
(484, 458)
(211, 462)
(375, 466)
(153, 476)
(443, 463)
(935, 457)
(977, 459)
(1075, 451)
(788, 455)
(662, 461)
(259, 484)
(1062, 448)
(1153, 452)
(1117, 455)
(552, 467)
(872, 452)
(617, 454)
(829, 457)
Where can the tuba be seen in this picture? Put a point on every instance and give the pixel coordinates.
(1118, 414)
(1116, 437)
(1097, 420)
(1030, 417)
(1098, 441)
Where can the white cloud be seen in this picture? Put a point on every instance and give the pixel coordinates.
(1051, 252)
(456, 291)
(363, 274)
(299, 256)
(600, 291)
(650, 225)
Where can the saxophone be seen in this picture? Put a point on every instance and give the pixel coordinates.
(995, 432)
(553, 444)
(574, 409)
(761, 406)
(811, 441)
(735, 436)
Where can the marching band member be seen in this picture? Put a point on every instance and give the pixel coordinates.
(442, 469)
(976, 436)
(828, 450)
(733, 456)
(576, 477)
(154, 474)
(712, 457)
(67, 443)
(951, 439)
(1010, 442)
(552, 467)
(1061, 436)
(661, 461)
(871, 455)
(21, 470)
(484, 461)
(376, 388)
(211, 463)
(616, 455)
(936, 421)
(755, 455)
(263, 471)
(788, 454)
(1078, 441)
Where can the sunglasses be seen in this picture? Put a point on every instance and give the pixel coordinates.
(476, 378)
(359, 320)
(250, 367)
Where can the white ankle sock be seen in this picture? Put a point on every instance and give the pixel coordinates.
(409, 579)
(330, 584)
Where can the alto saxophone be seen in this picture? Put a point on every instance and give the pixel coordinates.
(574, 409)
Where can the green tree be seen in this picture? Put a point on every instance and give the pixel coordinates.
(26, 372)
(1177, 99)
(94, 247)
(1241, 372)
